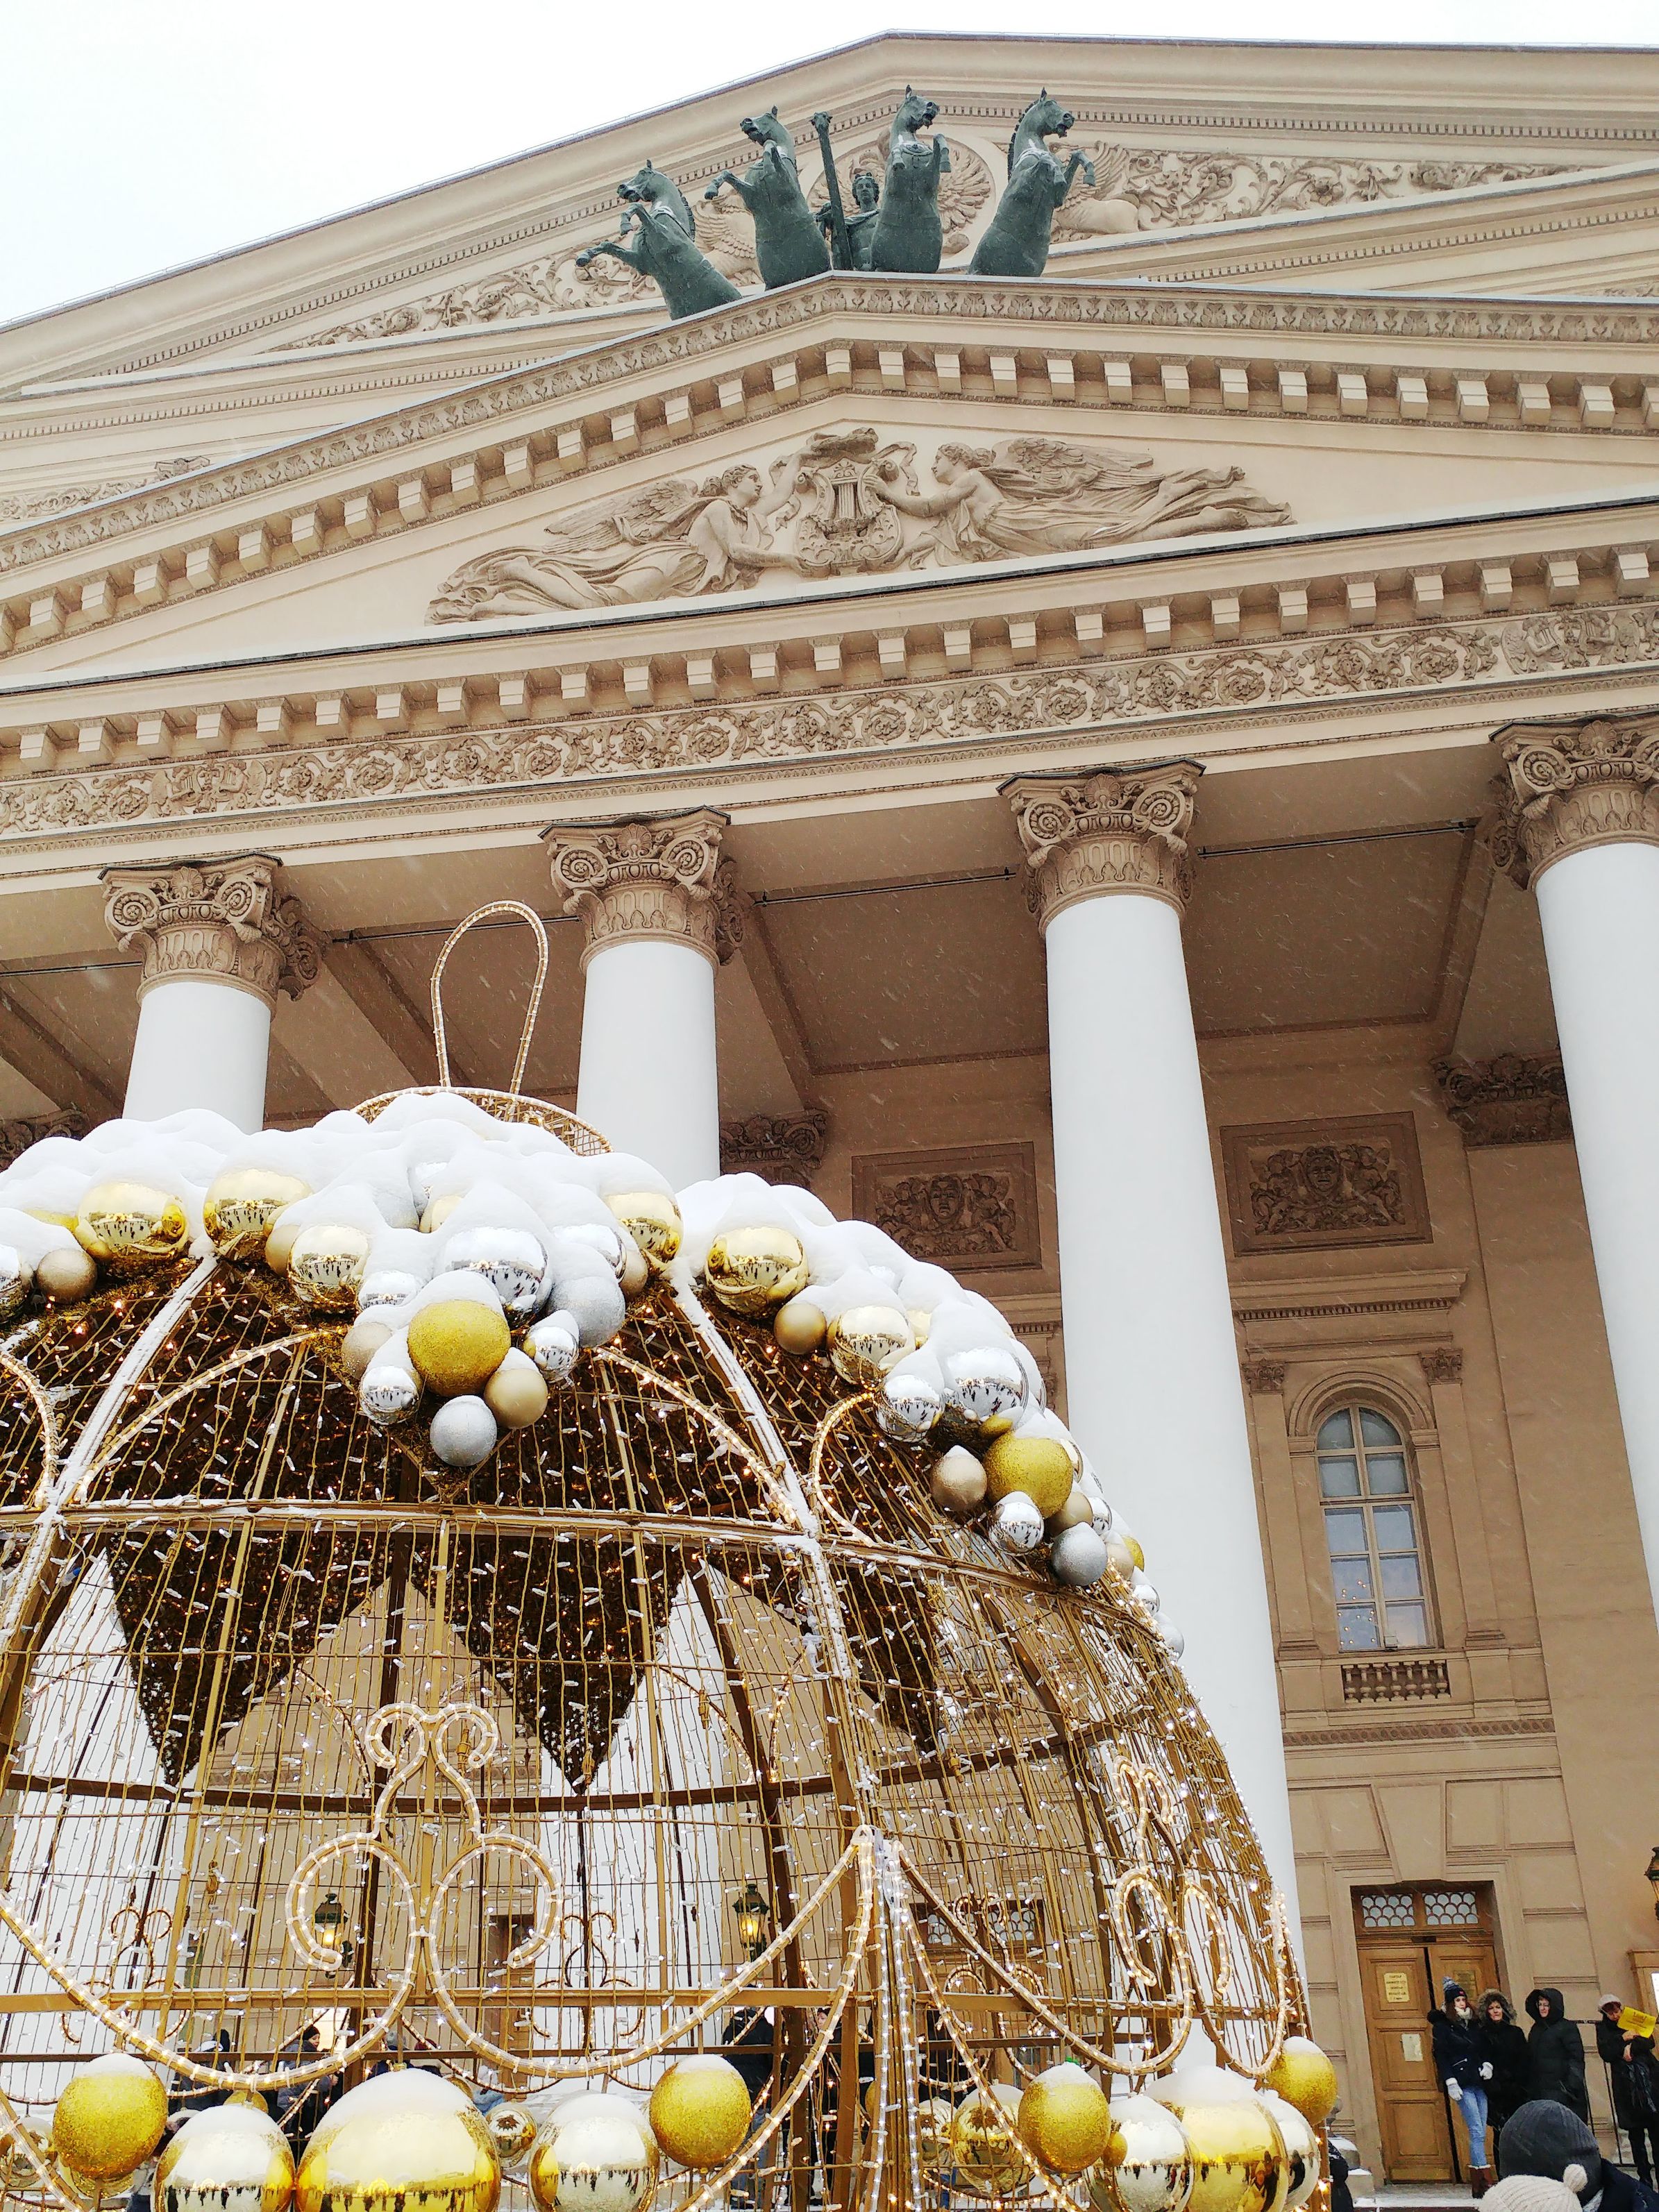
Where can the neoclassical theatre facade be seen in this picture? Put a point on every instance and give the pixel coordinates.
(1141, 778)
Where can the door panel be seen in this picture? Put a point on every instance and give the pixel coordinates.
(1410, 2099)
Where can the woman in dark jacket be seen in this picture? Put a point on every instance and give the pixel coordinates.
(1506, 2047)
(1462, 2062)
(1555, 2055)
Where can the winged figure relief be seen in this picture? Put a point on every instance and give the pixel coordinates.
(843, 504)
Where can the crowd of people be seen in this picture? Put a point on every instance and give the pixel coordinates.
(1526, 2088)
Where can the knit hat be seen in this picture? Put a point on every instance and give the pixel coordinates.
(1547, 2140)
(1530, 2192)
(1448, 1989)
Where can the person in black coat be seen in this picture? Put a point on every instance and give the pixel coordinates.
(1462, 2062)
(1550, 2139)
(1634, 2074)
(1506, 2047)
(1555, 2055)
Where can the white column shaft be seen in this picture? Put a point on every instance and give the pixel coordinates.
(199, 1043)
(1152, 1366)
(649, 1079)
(1600, 910)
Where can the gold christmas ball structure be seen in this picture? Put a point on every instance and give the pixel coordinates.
(1304, 2076)
(754, 1271)
(404, 2137)
(242, 1205)
(130, 1226)
(863, 1341)
(595, 2154)
(231, 2158)
(700, 2110)
(1301, 2150)
(987, 2160)
(109, 2118)
(1239, 2161)
(1039, 1466)
(934, 2116)
(652, 1220)
(1065, 2121)
(326, 1263)
(512, 2129)
(456, 1344)
(1148, 2161)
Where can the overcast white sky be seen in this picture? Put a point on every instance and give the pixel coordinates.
(144, 133)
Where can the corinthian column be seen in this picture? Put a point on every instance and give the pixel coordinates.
(662, 910)
(1578, 820)
(1152, 1366)
(220, 939)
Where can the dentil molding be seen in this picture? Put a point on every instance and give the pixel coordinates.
(1571, 785)
(1113, 829)
(660, 880)
(226, 921)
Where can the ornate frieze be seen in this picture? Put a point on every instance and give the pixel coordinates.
(226, 921)
(1301, 1186)
(844, 504)
(1573, 784)
(1514, 1098)
(26, 1129)
(1114, 829)
(777, 1147)
(29, 506)
(662, 880)
(966, 1206)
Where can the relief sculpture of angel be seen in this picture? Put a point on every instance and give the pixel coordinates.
(668, 542)
(1043, 495)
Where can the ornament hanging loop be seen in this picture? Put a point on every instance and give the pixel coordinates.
(520, 911)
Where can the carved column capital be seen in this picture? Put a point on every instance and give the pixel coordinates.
(1568, 785)
(225, 921)
(639, 880)
(1264, 1378)
(1106, 829)
(1443, 1362)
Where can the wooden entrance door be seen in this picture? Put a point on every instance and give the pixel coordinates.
(1411, 1940)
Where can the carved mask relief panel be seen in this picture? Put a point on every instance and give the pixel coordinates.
(1299, 1185)
(846, 503)
(965, 1207)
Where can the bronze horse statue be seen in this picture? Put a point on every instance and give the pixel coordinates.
(1017, 242)
(667, 252)
(788, 243)
(909, 235)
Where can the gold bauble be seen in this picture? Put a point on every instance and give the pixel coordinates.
(1304, 2076)
(934, 2119)
(1077, 1512)
(957, 1483)
(1148, 2164)
(635, 1272)
(360, 1344)
(131, 1226)
(864, 1341)
(456, 1344)
(1239, 2161)
(241, 1206)
(595, 2154)
(1301, 2150)
(406, 2138)
(1065, 2120)
(983, 2141)
(512, 2129)
(1132, 1544)
(65, 1272)
(799, 1327)
(1039, 1466)
(652, 1220)
(230, 2158)
(1120, 1559)
(515, 1393)
(109, 2118)
(753, 1270)
(325, 1264)
(700, 2110)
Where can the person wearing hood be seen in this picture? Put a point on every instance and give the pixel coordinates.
(1634, 2074)
(1555, 2055)
(1506, 2047)
(1548, 2138)
(1462, 2063)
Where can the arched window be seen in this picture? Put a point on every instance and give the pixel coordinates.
(1370, 1531)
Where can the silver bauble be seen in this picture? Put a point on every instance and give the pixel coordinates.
(1174, 1642)
(906, 1407)
(984, 1390)
(1077, 1556)
(554, 1344)
(1016, 1523)
(386, 1287)
(606, 1242)
(596, 1304)
(388, 1391)
(464, 1432)
(511, 1260)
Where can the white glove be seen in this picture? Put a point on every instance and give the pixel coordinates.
(1452, 2088)
(1486, 2071)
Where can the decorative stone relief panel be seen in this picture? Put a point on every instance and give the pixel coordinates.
(843, 504)
(1163, 187)
(30, 507)
(16, 1136)
(1516, 1098)
(1299, 1185)
(778, 1147)
(966, 1206)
